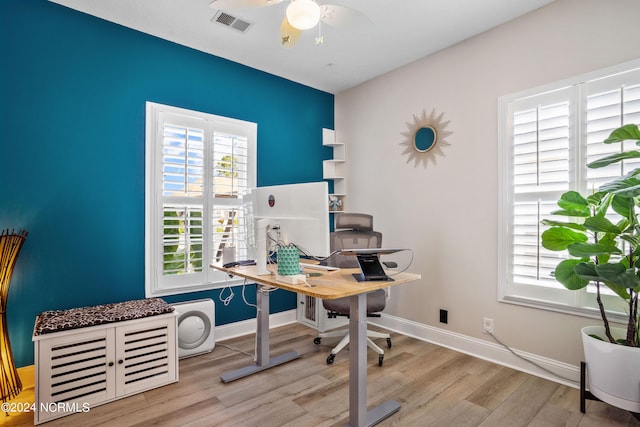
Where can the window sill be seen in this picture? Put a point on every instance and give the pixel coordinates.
(586, 312)
(194, 288)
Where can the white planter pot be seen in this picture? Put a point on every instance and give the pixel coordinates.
(613, 370)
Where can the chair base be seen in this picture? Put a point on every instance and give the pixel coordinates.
(344, 333)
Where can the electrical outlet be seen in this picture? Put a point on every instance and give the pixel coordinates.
(487, 325)
(276, 228)
(444, 316)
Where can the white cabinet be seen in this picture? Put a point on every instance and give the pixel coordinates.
(80, 368)
(310, 312)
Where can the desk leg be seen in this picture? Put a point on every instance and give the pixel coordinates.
(262, 327)
(358, 414)
(262, 351)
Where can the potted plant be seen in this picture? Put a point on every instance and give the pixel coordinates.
(602, 237)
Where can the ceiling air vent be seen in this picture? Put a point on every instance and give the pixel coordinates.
(231, 21)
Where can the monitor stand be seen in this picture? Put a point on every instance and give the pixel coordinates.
(371, 269)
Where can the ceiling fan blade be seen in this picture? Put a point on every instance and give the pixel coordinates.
(238, 4)
(341, 16)
(288, 34)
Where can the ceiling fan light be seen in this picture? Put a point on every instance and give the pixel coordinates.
(303, 14)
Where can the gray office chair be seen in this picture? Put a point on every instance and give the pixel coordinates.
(353, 231)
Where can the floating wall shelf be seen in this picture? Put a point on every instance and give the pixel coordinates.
(333, 169)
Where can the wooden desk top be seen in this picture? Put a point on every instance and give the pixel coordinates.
(329, 285)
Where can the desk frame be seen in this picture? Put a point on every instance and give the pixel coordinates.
(357, 292)
(358, 414)
(263, 361)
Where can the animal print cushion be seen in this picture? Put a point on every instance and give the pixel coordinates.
(60, 320)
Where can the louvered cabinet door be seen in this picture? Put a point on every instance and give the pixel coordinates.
(74, 370)
(310, 312)
(145, 355)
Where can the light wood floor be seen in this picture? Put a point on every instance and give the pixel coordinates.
(435, 386)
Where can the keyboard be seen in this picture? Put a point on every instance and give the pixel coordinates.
(319, 267)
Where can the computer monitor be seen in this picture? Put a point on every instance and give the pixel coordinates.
(299, 212)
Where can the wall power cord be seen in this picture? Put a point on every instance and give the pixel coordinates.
(227, 300)
(529, 360)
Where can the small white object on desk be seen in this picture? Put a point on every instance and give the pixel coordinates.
(294, 279)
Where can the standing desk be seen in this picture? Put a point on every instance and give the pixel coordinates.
(330, 285)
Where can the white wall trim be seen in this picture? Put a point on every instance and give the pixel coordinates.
(246, 327)
(475, 347)
(482, 349)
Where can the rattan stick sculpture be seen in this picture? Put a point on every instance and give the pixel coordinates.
(10, 244)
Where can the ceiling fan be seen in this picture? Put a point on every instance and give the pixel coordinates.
(300, 15)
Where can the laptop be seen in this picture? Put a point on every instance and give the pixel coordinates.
(369, 263)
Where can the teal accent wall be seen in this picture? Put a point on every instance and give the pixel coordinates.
(72, 126)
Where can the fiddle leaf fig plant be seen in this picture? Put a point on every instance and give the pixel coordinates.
(604, 251)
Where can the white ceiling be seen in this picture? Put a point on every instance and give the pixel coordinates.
(393, 33)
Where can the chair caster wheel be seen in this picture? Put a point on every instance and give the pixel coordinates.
(380, 359)
(330, 359)
(388, 342)
(317, 341)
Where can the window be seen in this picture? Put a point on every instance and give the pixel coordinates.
(546, 138)
(198, 168)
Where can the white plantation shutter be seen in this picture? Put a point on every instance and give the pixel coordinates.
(532, 264)
(229, 230)
(541, 147)
(610, 103)
(183, 167)
(230, 165)
(547, 138)
(182, 236)
(230, 174)
(541, 158)
(182, 161)
(198, 168)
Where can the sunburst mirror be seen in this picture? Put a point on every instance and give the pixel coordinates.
(425, 138)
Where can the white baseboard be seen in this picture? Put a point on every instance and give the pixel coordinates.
(566, 374)
(246, 327)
